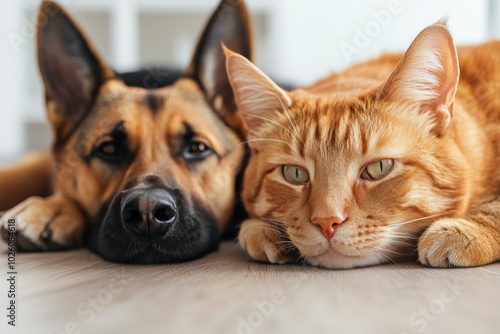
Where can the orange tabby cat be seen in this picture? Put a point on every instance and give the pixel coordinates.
(370, 165)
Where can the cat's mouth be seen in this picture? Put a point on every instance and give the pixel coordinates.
(334, 251)
(333, 258)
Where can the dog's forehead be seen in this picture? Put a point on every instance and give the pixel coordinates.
(182, 102)
(185, 100)
(158, 113)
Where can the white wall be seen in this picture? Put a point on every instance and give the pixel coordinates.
(329, 35)
(11, 90)
(297, 42)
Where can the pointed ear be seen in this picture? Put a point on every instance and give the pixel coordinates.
(71, 69)
(258, 98)
(428, 74)
(230, 24)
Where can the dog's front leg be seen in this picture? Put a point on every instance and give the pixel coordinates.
(44, 224)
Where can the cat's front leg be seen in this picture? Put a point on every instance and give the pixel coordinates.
(43, 224)
(265, 242)
(463, 242)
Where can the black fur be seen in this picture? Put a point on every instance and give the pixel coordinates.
(193, 235)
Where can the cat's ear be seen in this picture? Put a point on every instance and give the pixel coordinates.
(428, 74)
(230, 24)
(258, 98)
(71, 69)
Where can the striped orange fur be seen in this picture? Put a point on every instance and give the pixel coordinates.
(430, 115)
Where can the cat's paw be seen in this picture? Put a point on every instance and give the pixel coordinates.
(453, 242)
(43, 224)
(263, 242)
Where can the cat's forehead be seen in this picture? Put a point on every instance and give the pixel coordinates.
(349, 128)
(334, 106)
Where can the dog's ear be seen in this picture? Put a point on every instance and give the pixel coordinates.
(71, 69)
(230, 25)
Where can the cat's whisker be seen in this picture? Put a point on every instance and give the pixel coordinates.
(286, 248)
(380, 253)
(404, 236)
(269, 228)
(268, 120)
(270, 222)
(286, 242)
(302, 259)
(267, 225)
(275, 220)
(397, 234)
(290, 117)
(388, 258)
(276, 225)
(402, 240)
(280, 223)
(392, 251)
(266, 139)
(401, 243)
(421, 218)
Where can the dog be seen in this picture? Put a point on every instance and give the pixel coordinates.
(140, 175)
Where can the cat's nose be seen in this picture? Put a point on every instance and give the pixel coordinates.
(327, 225)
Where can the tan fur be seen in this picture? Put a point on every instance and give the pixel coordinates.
(84, 187)
(28, 177)
(441, 196)
(150, 135)
(153, 122)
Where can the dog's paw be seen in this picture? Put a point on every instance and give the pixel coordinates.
(453, 242)
(43, 224)
(264, 242)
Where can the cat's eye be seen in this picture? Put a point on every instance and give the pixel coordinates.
(295, 175)
(377, 169)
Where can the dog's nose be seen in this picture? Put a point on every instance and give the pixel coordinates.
(148, 212)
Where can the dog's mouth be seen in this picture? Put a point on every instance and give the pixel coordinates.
(153, 225)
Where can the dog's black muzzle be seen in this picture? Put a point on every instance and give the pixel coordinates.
(150, 222)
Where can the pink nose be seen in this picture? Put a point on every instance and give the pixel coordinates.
(327, 225)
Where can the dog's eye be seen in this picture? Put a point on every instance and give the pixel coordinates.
(110, 151)
(197, 147)
(108, 148)
(196, 150)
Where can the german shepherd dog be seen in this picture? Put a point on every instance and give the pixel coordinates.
(140, 175)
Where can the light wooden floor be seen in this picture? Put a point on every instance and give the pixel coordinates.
(77, 292)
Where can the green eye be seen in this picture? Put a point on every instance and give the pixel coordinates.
(377, 170)
(294, 174)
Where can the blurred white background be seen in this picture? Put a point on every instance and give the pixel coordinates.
(297, 42)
